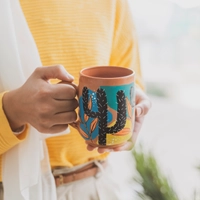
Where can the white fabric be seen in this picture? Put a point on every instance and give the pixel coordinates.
(26, 170)
(108, 185)
(187, 3)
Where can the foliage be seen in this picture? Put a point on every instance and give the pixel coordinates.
(155, 185)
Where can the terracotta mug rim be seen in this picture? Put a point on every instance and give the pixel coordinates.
(125, 72)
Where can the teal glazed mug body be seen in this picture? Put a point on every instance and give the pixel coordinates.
(106, 105)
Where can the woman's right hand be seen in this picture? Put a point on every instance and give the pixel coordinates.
(47, 107)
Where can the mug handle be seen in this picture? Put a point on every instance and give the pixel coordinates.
(77, 122)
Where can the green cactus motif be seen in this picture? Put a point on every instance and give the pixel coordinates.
(101, 114)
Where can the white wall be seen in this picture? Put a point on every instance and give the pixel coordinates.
(169, 38)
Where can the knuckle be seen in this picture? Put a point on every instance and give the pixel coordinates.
(43, 92)
(37, 70)
(44, 111)
(59, 68)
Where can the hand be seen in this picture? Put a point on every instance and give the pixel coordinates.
(47, 107)
(143, 104)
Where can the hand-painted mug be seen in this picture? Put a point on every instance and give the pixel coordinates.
(106, 105)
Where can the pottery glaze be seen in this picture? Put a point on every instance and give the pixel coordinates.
(106, 105)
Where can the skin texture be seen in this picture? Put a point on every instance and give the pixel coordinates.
(50, 108)
(47, 107)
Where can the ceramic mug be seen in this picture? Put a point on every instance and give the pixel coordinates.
(106, 97)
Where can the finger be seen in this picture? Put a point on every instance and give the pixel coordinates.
(142, 108)
(52, 124)
(99, 149)
(103, 150)
(90, 148)
(70, 83)
(56, 129)
(63, 91)
(47, 121)
(64, 118)
(62, 106)
(137, 128)
(126, 147)
(53, 72)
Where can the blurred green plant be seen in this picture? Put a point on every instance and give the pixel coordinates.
(155, 185)
(157, 90)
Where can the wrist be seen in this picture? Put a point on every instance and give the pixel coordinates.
(11, 112)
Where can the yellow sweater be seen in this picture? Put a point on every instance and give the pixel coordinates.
(77, 34)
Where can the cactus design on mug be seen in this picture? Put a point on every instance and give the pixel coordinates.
(102, 112)
(106, 114)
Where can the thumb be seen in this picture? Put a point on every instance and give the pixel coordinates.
(54, 72)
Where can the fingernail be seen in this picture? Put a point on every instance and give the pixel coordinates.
(138, 111)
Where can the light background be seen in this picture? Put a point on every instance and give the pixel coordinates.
(169, 40)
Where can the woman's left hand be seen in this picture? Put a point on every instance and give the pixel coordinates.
(143, 104)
